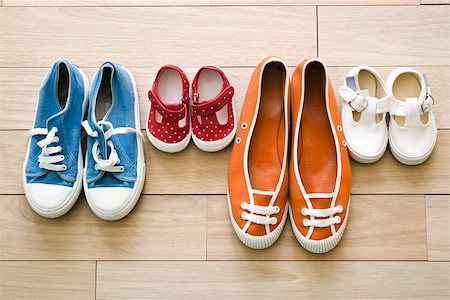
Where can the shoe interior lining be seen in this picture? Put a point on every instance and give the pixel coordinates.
(63, 84)
(209, 85)
(170, 86)
(267, 142)
(104, 99)
(407, 85)
(316, 151)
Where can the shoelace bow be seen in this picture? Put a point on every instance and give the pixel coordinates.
(107, 165)
(46, 159)
(259, 214)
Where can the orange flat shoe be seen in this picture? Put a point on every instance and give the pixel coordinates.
(319, 170)
(257, 170)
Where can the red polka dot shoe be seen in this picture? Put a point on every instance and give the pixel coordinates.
(213, 117)
(168, 127)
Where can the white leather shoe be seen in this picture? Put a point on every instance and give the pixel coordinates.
(412, 127)
(366, 102)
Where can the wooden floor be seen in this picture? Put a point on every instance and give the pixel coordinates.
(178, 242)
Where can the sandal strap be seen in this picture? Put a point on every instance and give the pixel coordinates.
(209, 107)
(173, 112)
(359, 103)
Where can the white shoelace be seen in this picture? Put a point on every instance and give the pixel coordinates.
(107, 165)
(258, 214)
(46, 159)
(322, 213)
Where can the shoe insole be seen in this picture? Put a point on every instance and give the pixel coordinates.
(63, 85)
(367, 81)
(267, 143)
(209, 85)
(104, 96)
(407, 85)
(317, 153)
(170, 86)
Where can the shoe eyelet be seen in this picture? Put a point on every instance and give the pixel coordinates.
(64, 167)
(238, 140)
(96, 167)
(304, 211)
(273, 221)
(338, 219)
(244, 126)
(277, 209)
(339, 128)
(305, 223)
(122, 169)
(344, 143)
(63, 157)
(341, 209)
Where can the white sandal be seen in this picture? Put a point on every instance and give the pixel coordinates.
(412, 127)
(366, 102)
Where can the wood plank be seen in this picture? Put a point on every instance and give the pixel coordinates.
(18, 105)
(263, 280)
(368, 235)
(159, 228)
(438, 227)
(196, 172)
(382, 36)
(203, 2)
(435, 2)
(19, 112)
(143, 36)
(47, 280)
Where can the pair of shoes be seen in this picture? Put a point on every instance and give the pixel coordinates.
(412, 130)
(53, 171)
(316, 177)
(173, 118)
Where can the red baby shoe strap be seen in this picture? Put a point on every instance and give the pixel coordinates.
(173, 112)
(209, 107)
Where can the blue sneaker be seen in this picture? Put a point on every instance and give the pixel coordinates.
(115, 166)
(52, 171)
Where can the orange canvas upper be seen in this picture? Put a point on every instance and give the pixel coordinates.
(261, 141)
(318, 148)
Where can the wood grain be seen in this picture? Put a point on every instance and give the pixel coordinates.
(269, 280)
(47, 280)
(144, 36)
(159, 228)
(435, 2)
(379, 228)
(438, 227)
(382, 36)
(193, 171)
(202, 2)
(17, 105)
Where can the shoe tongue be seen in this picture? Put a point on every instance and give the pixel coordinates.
(262, 200)
(321, 203)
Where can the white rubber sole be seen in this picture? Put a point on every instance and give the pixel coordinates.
(131, 202)
(73, 197)
(257, 242)
(411, 161)
(319, 246)
(214, 146)
(169, 147)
